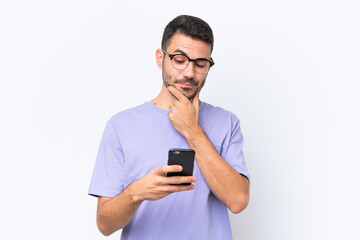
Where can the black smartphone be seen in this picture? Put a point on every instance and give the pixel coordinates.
(184, 158)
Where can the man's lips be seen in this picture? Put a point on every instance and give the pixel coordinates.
(186, 85)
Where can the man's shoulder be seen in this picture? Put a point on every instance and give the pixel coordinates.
(130, 113)
(218, 123)
(217, 112)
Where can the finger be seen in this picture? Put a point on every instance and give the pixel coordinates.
(178, 188)
(177, 94)
(180, 179)
(162, 171)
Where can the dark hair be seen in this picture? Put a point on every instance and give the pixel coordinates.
(190, 26)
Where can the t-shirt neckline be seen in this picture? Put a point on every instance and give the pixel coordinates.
(160, 110)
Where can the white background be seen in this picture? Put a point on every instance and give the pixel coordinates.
(288, 69)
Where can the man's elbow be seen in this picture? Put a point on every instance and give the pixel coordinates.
(106, 234)
(104, 228)
(239, 205)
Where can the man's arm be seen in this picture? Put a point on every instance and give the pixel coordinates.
(115, 213)
(226, 183)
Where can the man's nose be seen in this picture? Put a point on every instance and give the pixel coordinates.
(189, 71)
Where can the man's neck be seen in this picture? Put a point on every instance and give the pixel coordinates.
(164, 99)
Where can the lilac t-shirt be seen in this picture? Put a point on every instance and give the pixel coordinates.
(136, 141)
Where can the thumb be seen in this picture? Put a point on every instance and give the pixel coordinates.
(196, 101)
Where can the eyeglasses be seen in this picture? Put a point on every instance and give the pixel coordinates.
(181, 61)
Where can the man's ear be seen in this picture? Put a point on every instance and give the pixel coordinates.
(159, 54)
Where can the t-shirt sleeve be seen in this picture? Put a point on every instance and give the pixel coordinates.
(233, 150)
(108, 175)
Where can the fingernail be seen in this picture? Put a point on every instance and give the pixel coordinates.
(194, 179)
(180, 168)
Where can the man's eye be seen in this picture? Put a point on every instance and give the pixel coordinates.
(179, 61)
(200, 64)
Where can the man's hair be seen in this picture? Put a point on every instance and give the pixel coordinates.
(190, 26)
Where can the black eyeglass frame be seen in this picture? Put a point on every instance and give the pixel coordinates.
(171, 56)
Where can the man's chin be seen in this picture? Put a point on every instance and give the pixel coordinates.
(189, 95)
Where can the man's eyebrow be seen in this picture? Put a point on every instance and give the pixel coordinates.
(180, 51)
(184, 53)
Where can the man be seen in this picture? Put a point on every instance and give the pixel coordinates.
(129, 179)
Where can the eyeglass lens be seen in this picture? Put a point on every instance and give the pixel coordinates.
(180, 62)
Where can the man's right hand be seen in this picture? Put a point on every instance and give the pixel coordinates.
(157, 185)
(115, 213)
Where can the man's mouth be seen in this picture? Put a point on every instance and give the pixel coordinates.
(186, 86)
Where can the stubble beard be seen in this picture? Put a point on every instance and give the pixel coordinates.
(167, 82)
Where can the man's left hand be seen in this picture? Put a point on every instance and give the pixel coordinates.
(184, 114)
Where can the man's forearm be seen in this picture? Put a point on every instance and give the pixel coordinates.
(226, 183)
(115, 213)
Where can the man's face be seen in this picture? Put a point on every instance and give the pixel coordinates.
(187, 81)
